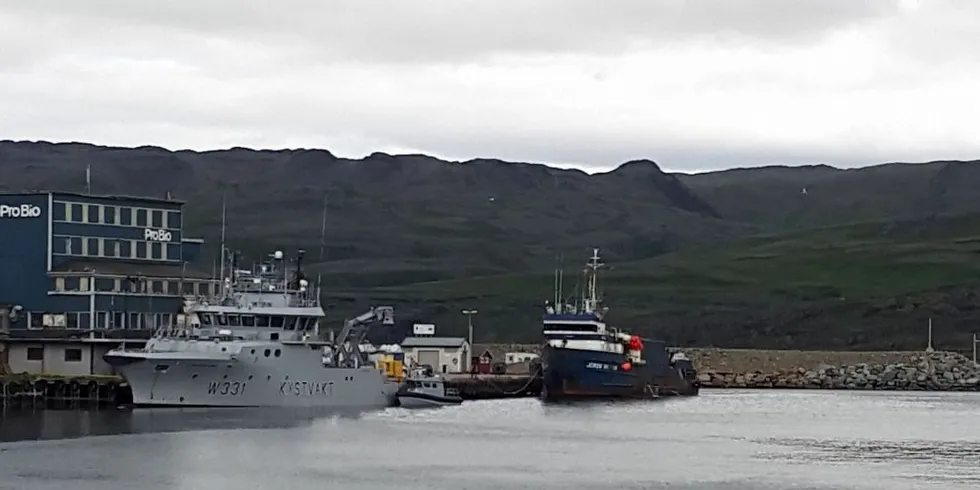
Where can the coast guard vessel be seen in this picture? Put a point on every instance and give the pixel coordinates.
(584, 358)
(257, 344)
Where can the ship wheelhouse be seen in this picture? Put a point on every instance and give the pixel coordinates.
(580, 331)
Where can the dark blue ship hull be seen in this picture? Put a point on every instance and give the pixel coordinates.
(575, 374)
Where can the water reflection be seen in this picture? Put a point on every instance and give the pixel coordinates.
(21, 424)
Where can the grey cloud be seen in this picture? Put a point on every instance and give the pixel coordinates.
(454, 30)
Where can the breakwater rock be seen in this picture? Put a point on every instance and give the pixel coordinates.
(936, 371)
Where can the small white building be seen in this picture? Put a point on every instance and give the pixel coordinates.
(444, 354)
(516, 357)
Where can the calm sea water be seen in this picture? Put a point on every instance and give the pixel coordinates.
(722, 439)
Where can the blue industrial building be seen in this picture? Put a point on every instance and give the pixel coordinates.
(84, 270)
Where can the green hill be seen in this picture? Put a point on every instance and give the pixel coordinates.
(863, 286)
(776, 256)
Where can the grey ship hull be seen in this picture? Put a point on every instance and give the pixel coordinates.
(247, 378)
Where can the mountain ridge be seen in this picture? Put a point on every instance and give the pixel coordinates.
(739, 257)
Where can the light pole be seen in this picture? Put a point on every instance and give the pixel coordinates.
(929, 346)
(469, 323)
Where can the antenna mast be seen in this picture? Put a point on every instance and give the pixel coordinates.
(222, 277)
(323, 244)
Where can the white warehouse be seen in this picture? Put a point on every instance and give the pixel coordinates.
(444, 354)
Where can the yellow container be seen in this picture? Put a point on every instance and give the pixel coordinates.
(392, 368)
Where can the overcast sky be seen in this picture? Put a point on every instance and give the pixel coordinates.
(691, 84)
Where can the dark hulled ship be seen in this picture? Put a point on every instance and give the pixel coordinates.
(584, 358)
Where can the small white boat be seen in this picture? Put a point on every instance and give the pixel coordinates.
(427, 392)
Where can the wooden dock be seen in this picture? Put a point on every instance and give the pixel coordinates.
(494, 386)
(51, 390)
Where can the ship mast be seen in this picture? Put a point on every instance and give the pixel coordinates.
(591, 293)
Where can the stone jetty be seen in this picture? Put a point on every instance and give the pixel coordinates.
(935, 371)
(806, 369)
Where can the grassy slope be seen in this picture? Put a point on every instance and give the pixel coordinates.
(869, 285)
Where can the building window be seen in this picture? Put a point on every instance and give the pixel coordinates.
(126, 249)
(93, 213)
(59, 213)
(141, 217)
(35, 354)
(187, 289)
(93, 247)
(83, 284)
(75, 246)
(84, 321)
(134, 321)
(71, 321)
(126, 216)
(156, 251)
(109, 215)
(156, 218)
(77, 213)
(117, 321)
(173, 251)
(101, 319)
(59, 244)
(110, 248)
(140, 250)
(173, 220)
(105, 284)
(73, 355)
(71, 283)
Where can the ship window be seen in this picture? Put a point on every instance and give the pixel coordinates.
(571, 327)
(291, 323)
(248, 321)
(306, 324)
(206, 319)
(222, 320)
(267, 352)
(274, 336)
(262, 321)
(233, 320)
(278, 353)
(277, 322)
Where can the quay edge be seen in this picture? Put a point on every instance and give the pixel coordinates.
(59, 391)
